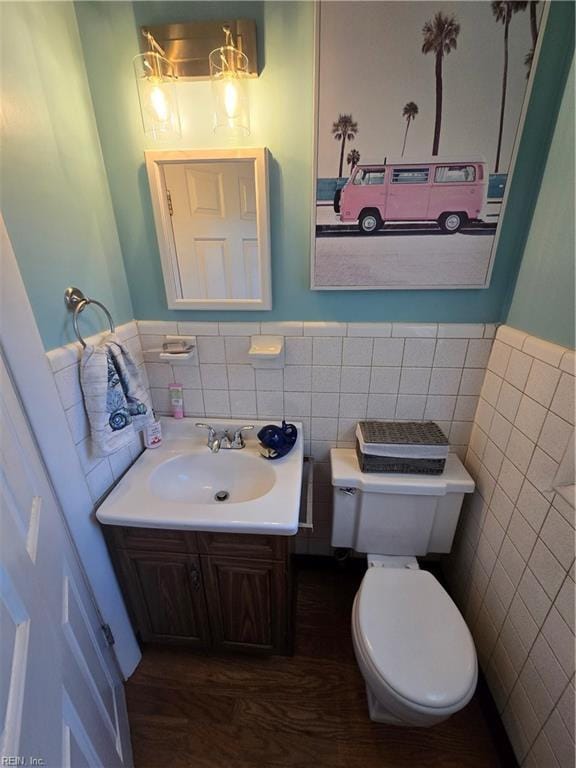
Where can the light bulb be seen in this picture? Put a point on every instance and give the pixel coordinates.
(158, 100)
(159, 104)
(231, 99)
(228, 72)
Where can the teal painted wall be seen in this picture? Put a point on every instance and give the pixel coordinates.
(543, 301)
(54, 191)
(282, 120)
(75, 195)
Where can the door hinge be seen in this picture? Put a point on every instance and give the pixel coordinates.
(170, 207)
(108, 634)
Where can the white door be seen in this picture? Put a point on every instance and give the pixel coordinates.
(61, 695)
(215, 228)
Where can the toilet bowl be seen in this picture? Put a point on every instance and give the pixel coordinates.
(413, 648)
(411, 643)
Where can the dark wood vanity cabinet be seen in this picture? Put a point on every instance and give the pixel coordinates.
(247, 602)
(228, 592)
(166, 598)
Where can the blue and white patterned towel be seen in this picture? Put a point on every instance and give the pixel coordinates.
(115, 398)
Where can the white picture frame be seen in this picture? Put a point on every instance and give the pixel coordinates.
(316, 283)
(155, 162)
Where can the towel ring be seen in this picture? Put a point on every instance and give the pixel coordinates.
(77, 302)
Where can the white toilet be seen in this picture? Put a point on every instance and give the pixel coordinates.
(411, 643)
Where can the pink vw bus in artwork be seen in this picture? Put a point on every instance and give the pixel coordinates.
(449, 192)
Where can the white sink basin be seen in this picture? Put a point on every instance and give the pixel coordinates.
(183, 485)
(225, 477)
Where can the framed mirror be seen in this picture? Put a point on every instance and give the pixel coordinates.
(212, 223)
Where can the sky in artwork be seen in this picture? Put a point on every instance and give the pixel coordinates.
(371, 65)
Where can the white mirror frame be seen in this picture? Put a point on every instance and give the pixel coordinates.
(168, 256)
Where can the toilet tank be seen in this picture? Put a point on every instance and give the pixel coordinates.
(393, 514)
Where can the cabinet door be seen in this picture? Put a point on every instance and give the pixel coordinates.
(166, 596)
(248, 603)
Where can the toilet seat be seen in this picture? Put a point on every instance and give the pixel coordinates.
(412, 644)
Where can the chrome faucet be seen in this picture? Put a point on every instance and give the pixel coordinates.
(223, 439)
(213, 441)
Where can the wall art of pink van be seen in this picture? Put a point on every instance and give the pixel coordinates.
(419, 107)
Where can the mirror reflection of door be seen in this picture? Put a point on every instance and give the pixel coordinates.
(215, 228)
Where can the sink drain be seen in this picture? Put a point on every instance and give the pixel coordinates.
(221, 496)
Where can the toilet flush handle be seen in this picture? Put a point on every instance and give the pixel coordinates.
(348, 491)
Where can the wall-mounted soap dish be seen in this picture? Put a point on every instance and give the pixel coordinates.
(177, 349)
(268, 347)
(266, 351)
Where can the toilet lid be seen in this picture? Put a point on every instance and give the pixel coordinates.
(415, 637)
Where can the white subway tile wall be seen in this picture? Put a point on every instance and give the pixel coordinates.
(506, 405)
(334, 375)
(512, 566)
(101, 473)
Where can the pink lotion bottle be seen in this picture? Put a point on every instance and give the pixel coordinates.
(177, 400)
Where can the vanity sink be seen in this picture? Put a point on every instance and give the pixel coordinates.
(226, 477)
(183, 485)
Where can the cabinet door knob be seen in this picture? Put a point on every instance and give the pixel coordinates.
(195, 576)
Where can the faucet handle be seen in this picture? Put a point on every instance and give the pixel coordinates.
(245, 428)
(209, 427)
(238, 439)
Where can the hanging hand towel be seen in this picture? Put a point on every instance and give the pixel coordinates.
(114, 395)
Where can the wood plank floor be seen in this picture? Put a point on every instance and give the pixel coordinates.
(189, 710)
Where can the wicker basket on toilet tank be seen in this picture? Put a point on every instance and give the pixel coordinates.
(410, 447)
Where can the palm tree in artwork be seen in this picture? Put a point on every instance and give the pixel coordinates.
(503, 11)
(533, 22)
(529, 58)
(440, 35)
(409, 112)
(353, 158)
(343, 130)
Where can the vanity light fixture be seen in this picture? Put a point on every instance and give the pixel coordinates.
(155, 79)
(229, 69)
